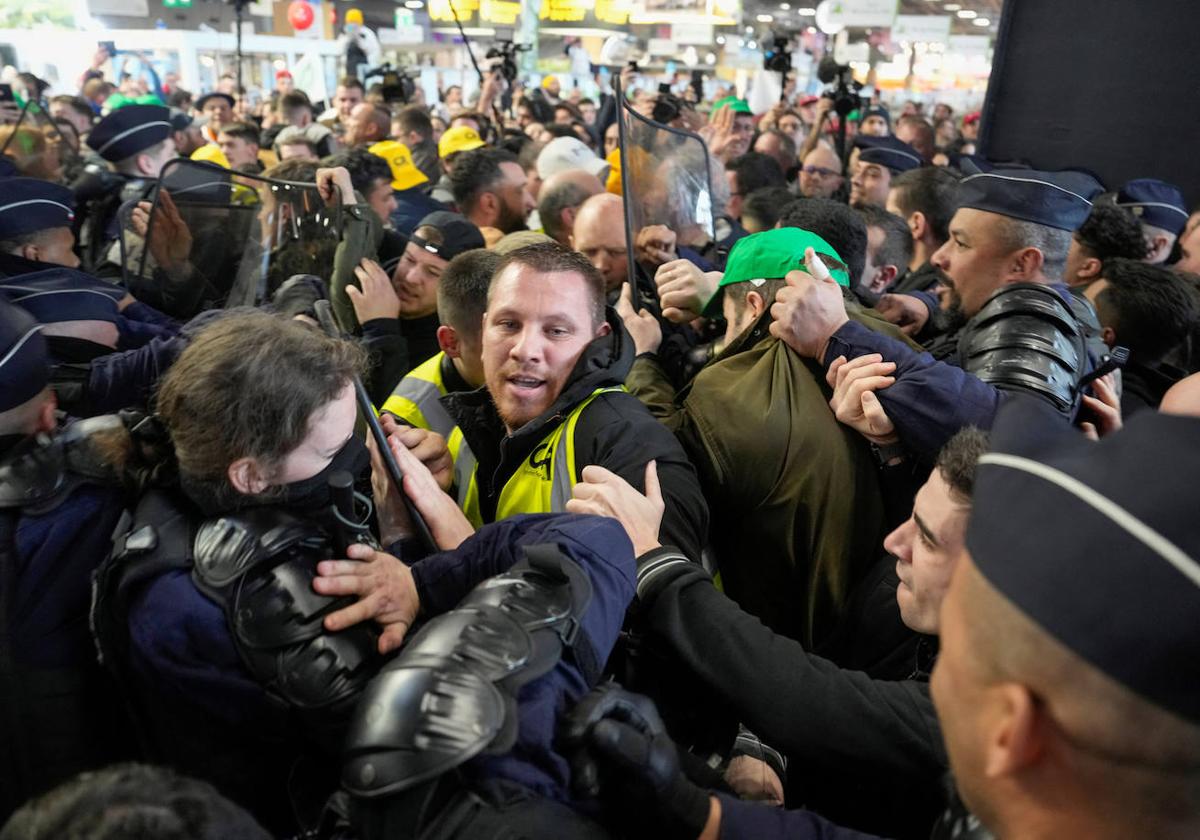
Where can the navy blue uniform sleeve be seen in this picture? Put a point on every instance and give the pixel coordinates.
(597, 543)
(120, 380)
(930, 400)
(138, 311)
(746, 820)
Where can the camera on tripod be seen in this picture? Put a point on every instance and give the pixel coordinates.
(503, 57)
(776, 58)
(396, 85)
(843, 87)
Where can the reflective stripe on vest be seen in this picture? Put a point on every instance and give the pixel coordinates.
(415, 400)
(543, 482)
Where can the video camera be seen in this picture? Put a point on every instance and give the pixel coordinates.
(503, 57)
(844, 88)
(668, 106)
(776, 58)
(396, 87)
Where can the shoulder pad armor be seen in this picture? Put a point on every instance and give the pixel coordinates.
(44, 469)
(451, 693)
(1027, 338)
(259, 565)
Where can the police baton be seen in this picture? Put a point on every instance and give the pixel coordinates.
(325, 318)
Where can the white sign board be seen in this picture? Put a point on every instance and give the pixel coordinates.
(864, 13)
(262, 9)
(389, 37)
(845, 53)
(928, 28)
(661, 46)
(968, 44)
(125, 8)
(692, 33)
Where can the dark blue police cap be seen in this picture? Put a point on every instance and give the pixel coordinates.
(28, 205)
(895, 154)
(63, 294)
(129, 130)
(1060, 200)
(1113, 573)
(1155, 203)
(24, 360)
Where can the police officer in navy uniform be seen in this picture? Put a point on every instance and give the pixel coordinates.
(137, 142)
(59, 503)
(246, 645)
(1067, 686)
(1013, 325)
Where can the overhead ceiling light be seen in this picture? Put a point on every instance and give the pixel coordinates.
(785, 6)
(720, 39)
(966, 14)
(952, 7)
(812, 30)
(808, 10)
(765, 19)
(981, 22)
(414, 4)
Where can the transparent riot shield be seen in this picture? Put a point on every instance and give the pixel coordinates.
(216, 238)
(666, 178)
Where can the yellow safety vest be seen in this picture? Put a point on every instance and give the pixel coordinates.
(415, 401)
(544, 480)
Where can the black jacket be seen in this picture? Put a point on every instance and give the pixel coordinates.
(865, 753)
(615, 431)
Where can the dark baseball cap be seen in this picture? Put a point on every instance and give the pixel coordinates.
(458, 234)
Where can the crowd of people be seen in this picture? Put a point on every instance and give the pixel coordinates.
(534, 466)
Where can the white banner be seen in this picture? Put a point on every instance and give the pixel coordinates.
(864, 13)
(125, 8)
(845, 53)
(661, 46)
(391, 37)
(929, 28)
(692, 33)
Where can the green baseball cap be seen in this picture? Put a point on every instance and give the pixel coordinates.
(738, 106)
(770, 255)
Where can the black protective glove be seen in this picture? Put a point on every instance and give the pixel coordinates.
(298, 295)
(620, 750)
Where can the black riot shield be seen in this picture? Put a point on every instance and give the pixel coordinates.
(223, 238)
(666, 179)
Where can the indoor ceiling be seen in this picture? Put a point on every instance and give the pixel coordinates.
(967, 14)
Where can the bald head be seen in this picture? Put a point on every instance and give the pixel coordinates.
(1183, 397)
(821, 176)
(560, 198)
(600, 236)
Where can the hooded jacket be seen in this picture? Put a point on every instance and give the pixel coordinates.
(614, 431)
(797, 509)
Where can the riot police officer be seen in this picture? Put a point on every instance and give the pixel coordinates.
(137, 142)
(59, 502)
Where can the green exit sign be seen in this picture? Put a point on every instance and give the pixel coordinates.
(177, 4)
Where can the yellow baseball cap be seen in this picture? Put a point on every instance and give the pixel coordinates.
(212, 153)
(461, 138)
(405, 174)
(613, 184)
(354, 16)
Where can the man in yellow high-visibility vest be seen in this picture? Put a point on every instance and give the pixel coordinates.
(554, 360)
(461, 301)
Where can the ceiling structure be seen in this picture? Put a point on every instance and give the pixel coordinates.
(968, 16)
